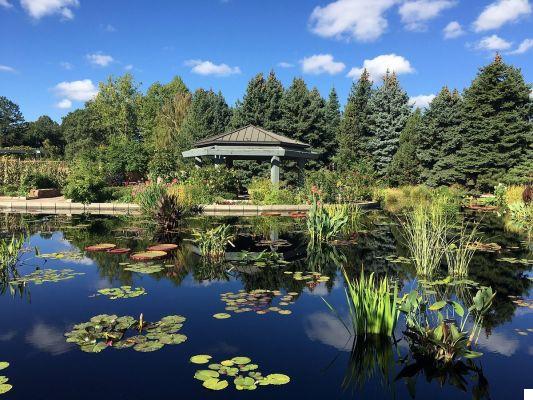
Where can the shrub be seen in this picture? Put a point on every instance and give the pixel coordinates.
(513, 194)
(148, 196)
(85, 182)
(262, 191)
(38, 180)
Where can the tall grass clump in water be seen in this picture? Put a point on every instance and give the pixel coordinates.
(324, 224)
(212, 243)
(354, 214)
(460, 252)
(372, 304)
(425, 229)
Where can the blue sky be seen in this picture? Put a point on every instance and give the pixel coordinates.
(53, 53)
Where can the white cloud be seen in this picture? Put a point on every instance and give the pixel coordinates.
(7, 68)
(109, 28)
(285, 64)
(523, 47)
(421, 100)
(128, 67)
(500, 13)
(378, 66)
(42, 8)
(320, 64)
(493, 43)
(453, 30)
(66, 65)
(102, 60)
(362, 20)
(5, 4)
(83, 90)
(64, 104)
(415, 13)
(201, 67)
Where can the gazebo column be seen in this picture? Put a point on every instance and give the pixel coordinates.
(301, 171)
(197, 162)
(274, 169)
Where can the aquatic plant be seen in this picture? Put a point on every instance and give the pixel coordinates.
(149, 255)
(212, 242)
(354, 213)
(521, 217)
(262, 259)
(4, 386)
(169, 212)
(322, 224)
(103, 331)
(260, 301)
(460, 251)
(372, 305)
(246, 376)
(425, 231)
(148, 196)
(10, 251)
(123, 292)
(143, 268)
(41, 276)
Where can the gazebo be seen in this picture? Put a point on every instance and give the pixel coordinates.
(251, 143)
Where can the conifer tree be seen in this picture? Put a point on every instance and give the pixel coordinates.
(440, 139)
(405, 166)
(389, 110)
(496, 129)
(273, 96)
(332, 120)
(252, 108)
(353, 134)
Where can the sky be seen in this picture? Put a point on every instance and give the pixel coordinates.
(53, 53)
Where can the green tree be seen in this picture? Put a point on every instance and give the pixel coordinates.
(12, 125)
(44, 132)
(353, 134)
(405, 166)
(124, 158)
(273, 96)
(81, 131)
(441, 139)
(389, 110)
(252, 108)
(496, 129)
(332, 120)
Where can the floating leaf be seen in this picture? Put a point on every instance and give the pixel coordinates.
(215, 384)
(221, 316)
(227, 363)
(101, 247)
(148, 255)
(200, 359)
(278, 379)
(3, 365)
(46, 275)
(205, 374)
(5, 387)
(241, 360)
(163, 247)
(123, 292)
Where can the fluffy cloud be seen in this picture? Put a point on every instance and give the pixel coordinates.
(500, 13)
(362, 20)
(201, 67)
(415, 13)
(523, 47)
(5, 4)
(102, 60)
(453, 30)
(320, 64)
(7, 68)
(64, 104)
(378, 66)
(42, 8)
(422, 100)
(285, 64)
(83, 90)
(493, 43)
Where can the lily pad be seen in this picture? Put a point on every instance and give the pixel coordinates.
(148, 255)
(215, 384)
(200, 359)
(5, 387)
(100, 247)
(221, 316)
(144, 268)
(41, 276)
(205, 374)
(123, 292)
(163, 247)
(241, 360)
(277, 379)
(122, 250)
(3, 365)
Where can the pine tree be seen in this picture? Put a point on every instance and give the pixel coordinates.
(496, 129)
(332, 120)
(353, 134)
(440, 139)
(252, 108)
(389, 110)
(405, 166)
(273, 95)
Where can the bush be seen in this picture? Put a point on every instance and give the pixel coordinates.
(513, 194)
(262, 191)
(148, 196)
(38, 180)
(85, 182)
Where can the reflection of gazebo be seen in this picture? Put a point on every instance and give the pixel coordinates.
(251, 143)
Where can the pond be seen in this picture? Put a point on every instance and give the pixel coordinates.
(273, 315)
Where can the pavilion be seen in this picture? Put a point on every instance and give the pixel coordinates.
(252, 143)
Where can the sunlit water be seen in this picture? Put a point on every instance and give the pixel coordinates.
(310, 345)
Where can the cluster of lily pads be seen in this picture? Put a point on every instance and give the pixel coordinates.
(308, 276)
(155, 252)
(395, 259)
(4, 386)
(143, 268)
(513, 260)
(259, 301)
(46, 275)
(246, 375)
(122, 292)
(103, 331)
(262, 259)
(519, 301)
(62, 255)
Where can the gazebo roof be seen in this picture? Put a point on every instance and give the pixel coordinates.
(250, 135)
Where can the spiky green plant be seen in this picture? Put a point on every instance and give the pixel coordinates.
(372, 305)
(460, 251)
(324, 224)
(212, 243)
(10, 251)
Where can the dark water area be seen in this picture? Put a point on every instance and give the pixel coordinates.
(310, 344)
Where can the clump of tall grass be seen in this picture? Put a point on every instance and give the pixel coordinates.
(459, 253)
(425, 231)
(372, 304)
(212, 243)
(354, 213)
(322, 224)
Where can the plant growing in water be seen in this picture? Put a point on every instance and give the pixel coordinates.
(10, 252)
(372, 305)
(323, 224)
(212, 243)
(459, 253)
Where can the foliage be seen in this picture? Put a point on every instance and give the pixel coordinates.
(46, 134)
(124, 159)
(149, 195)
(212, 243)
(10, 251)
(169, 212)
(372, 305)
(24, 174)
(404, 168)
(514, 194)
(521, 217)
(12, 125)
(263, 191)
(85, 182)
(460, 251)
(324, 224)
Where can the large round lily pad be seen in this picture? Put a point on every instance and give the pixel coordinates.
(205, 374)
(200, 359)
(121, 250)
(101, 247)
(241, 360)
(221, 316)
(3, 365)
(215, 384)
(163, 247)
(277, 379)
(5, 387)
(148, 255)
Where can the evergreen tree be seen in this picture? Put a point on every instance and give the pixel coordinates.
(332, 120)
(496, 129)
(252, 108)
(273, 95)
(353, 134)
(389, 110)
(441, 139)
(405, 166)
